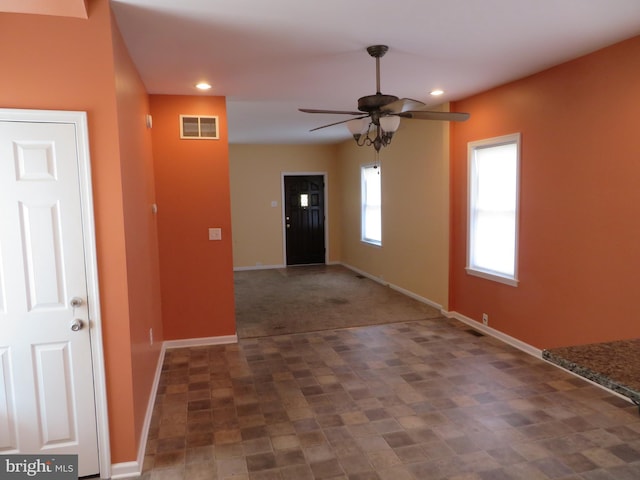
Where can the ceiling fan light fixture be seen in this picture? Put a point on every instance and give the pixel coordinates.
(358, 126)
(390, 123)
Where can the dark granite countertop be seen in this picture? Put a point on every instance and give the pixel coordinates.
(614, 365)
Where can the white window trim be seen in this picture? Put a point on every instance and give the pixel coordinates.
(363, 239)
(481, 272)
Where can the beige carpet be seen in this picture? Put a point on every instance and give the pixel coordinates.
(319, 297)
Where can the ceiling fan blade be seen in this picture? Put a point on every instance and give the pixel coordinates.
(402, 105)
(428, 115)
(338, 123)
(339, 112)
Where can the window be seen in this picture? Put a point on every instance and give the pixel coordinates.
(492, 245)
(371, 205)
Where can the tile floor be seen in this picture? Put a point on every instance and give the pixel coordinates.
(418, 400)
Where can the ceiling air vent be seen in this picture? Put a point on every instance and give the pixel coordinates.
(199, 127)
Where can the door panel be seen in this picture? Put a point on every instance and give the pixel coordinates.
(47, 402)
(8, 431)
(304, 217)
(40, 226)
(52, 371)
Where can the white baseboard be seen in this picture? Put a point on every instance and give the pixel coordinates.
(525, 347)
(408, 293)
(199, 342)
(134, 469)
(274, 267)
(258, 267)
(508, 339)
(415, 296)
(126, 470)
(365, 274)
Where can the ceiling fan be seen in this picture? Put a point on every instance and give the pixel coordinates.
(380, 114)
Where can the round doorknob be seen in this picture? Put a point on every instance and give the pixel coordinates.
(77, 324)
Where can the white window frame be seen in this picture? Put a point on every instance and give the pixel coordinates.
(363, 205)
(471, 268)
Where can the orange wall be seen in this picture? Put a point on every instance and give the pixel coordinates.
(68, 64)
(65, 8)
(192, 187)
(579, 205)
(141, 234)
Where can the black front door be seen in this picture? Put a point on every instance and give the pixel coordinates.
(304, 219)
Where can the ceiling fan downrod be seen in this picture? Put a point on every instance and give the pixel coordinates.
(377, 52)
(371, 103)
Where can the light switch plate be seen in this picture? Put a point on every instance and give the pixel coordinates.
(215, 234)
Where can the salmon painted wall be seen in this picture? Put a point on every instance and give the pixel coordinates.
(192, 188)
(64, 8)
(141, 233)
(68, 64)
(579, 201)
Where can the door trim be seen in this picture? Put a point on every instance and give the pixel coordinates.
(325, 180)
(79, 120)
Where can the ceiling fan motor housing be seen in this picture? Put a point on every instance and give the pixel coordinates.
(371, 103)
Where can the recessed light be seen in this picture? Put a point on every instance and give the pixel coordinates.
(203, 86)
(437, 92)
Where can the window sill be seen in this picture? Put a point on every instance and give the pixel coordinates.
(371, 242)
(492, 276)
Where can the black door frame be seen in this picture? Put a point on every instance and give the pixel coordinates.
(326, 211)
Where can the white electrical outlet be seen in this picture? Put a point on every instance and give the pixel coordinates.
(485, 319)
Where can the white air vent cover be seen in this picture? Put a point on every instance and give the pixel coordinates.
(199, 127)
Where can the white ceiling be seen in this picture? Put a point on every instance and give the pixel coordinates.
(271, 57)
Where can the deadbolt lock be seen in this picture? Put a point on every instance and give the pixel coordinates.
(75, 302)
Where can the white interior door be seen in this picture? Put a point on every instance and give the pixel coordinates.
(47, 399)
